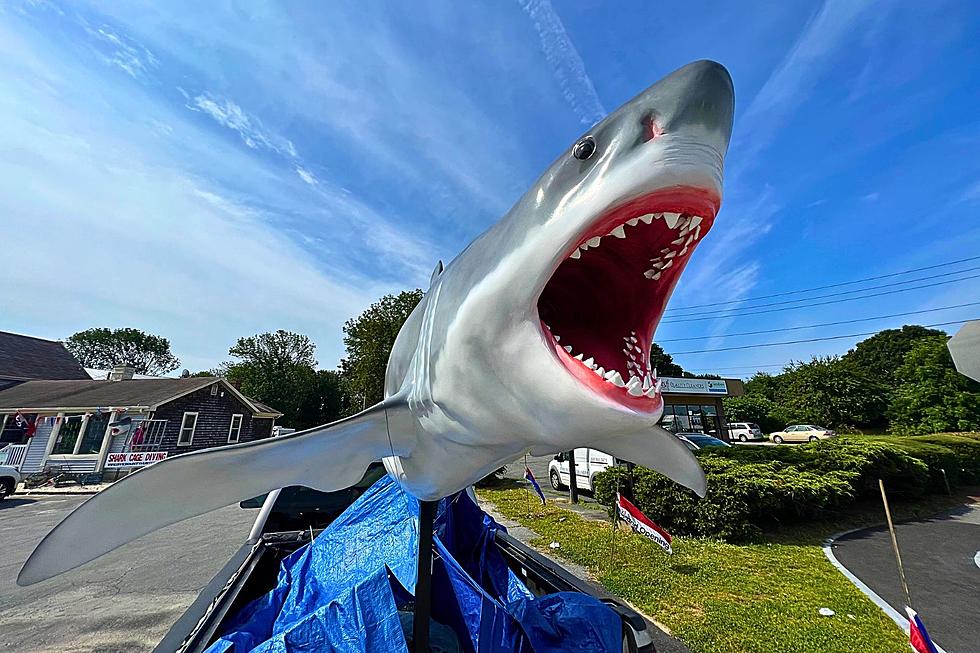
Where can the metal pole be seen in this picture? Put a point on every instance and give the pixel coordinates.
(527, 491)
(898, 555)
(946, 481)
(423, 582)
(572, 478)
(615, 518)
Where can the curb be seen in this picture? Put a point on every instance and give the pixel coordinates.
(886, 607)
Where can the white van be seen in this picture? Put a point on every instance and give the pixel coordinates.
(588, 463)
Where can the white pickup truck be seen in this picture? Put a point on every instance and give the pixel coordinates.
(9, 478)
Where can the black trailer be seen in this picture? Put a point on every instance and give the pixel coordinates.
(288, 518)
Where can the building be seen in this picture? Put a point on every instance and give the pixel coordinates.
(124, 423)
(695, 404)
(23, 358)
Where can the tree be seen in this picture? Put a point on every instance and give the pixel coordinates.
(105, 348)
(369, 339)
(883, 353)
(753, 408)
(931, 395)
(765, 385)
(830, 392)
(278, 369)
(664, 362)
(324, 402)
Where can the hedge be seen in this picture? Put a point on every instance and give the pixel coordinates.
(868, 458)
(741, 500)
(753, 488)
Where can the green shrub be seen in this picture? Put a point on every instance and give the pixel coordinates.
(957, 455)
(742, 498)
(867, 459)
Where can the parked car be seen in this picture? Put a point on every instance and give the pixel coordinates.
(802, 433)
(9, 478)
(286, 522)
(745, 431)
(588, 463)
(695, 441)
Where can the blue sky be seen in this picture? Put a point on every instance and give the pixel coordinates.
(211, 170)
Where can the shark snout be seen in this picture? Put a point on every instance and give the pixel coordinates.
(697, 98)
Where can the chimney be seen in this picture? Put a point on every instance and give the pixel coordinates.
(122, 373)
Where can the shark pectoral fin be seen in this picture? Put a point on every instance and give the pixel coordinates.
(327, 458)
(661, 451)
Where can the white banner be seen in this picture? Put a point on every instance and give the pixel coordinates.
(695, 386)
(134, 458)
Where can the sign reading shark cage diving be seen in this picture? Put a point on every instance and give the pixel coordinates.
(695, 386)
(134, 458)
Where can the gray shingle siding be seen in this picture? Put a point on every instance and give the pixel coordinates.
(213, 420)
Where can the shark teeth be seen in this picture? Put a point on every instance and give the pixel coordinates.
(686, 226)
(643, 380)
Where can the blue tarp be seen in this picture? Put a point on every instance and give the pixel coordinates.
(343, 592)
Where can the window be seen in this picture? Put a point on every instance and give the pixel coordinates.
(236, 427)
(71, 426)
(214, 389)
(91, 438)
(187, 427)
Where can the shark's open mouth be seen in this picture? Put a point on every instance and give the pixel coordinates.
(602, 304)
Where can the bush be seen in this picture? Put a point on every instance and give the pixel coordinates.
(742, 497)
(865, 458)
(958, 456)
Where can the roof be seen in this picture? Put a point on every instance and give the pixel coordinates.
(84, 395)
(103, 375)
(24, 358)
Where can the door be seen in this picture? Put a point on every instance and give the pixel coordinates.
(582, 468)
(793, 434)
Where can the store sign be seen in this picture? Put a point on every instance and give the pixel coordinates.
(695, 386)
(135, 458)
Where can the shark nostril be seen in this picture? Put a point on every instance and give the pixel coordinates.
(584, 149)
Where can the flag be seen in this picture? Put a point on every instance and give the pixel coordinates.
(529, 477)
(919, 638)
(641, 523)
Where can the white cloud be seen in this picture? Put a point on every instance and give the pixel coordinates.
(125, 53)
(140, 216)
(306, 176)
(227, 113)
(797, 74)
(568, 67)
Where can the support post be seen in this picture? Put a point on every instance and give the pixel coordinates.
(898, 555)
(423, 581)
(572, 477)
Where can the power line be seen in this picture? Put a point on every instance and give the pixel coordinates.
(846, 292)
(835, 301)
(825, 324)
(833, 285)
(797, 342)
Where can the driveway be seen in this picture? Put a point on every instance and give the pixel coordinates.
(941, 567)
(124, 601)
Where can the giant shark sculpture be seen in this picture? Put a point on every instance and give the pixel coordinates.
(535, 339)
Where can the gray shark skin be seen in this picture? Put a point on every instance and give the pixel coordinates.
(477, 377)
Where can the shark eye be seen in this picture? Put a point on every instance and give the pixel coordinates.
(584, 149)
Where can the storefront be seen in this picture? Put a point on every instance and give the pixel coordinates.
(695, 405)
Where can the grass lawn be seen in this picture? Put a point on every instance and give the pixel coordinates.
(725, 598)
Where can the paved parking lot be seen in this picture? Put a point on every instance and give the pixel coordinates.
(942, 565)
(126, 600)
